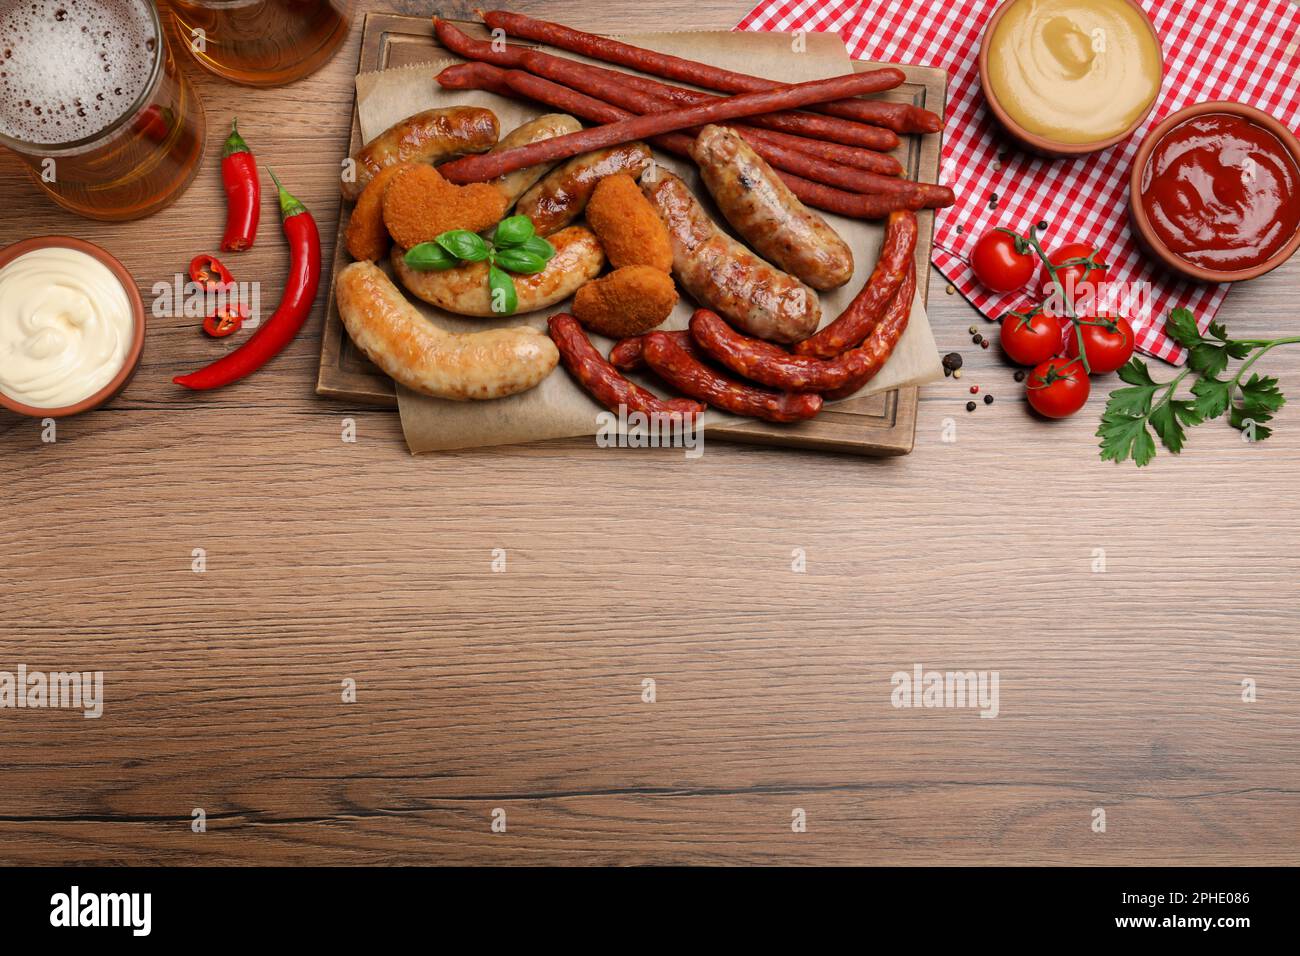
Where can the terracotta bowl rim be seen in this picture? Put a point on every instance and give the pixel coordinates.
(23, 246)
(1041, 143)
(1138, 214)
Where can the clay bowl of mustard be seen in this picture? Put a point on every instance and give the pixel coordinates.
(1067, 78)
(72, 326)
(1214, 194)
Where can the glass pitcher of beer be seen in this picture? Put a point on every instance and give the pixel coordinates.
(262, 42)
(92, 101)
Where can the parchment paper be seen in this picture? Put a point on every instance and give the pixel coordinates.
(558, 407)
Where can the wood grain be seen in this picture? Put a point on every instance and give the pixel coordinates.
(522, 690)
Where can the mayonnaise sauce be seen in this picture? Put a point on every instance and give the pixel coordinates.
(66, 327)
(1074, 71)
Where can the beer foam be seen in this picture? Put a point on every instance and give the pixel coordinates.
(70, 68)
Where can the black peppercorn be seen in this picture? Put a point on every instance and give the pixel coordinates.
(970, 406)
(988, 399)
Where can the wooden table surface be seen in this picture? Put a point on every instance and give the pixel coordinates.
(518, 695)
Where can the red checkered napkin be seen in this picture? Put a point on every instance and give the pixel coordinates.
(1242, 50)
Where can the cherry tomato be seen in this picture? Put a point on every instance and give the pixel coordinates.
(999, 264)
(1079, 255)
(1030, 338)
(1058, 388)
(225, 321)
(1107, 346)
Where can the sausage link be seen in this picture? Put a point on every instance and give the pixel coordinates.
(629, 354)
(563, 194)
(764, 362)
(513, 185)
(862, 314)
(723, 275)
(891, 115)
(479, 168)
(692, 377)
(429, 137)
(816, 127)
(604, 382)
(875, 351)
(517, 83)
(766, 214)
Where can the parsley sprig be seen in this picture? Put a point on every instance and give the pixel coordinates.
(1147, 407)
(514, 247)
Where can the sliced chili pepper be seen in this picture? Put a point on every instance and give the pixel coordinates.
(243, 192)
(295, 305)
(210, 272)
(225, 321)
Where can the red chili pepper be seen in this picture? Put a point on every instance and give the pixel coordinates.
(154, 122)
(243, 192)
(210, 272)
(289, 316)
(225, 321)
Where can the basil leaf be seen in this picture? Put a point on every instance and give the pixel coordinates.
(429, 255)
(513, 231)
(538, 247)
(464, 244)
(504, 298)
(517, 260)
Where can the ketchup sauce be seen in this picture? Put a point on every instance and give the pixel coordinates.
(1222, 192)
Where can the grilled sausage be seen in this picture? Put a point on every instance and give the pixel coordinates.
(720, 273)
(767, 215)
(861, 315)
(561, 197)
(690, 376)
(428, 137)
(604, 382)
(513, 185)
(464, 290)
(415, 352)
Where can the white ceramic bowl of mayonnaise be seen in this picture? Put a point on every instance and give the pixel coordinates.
(71, 326)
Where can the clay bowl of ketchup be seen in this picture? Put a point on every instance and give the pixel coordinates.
(1214, 194)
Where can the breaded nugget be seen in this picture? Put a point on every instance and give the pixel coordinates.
(419, 206)
(628, 301)
(628, 226)
(367, 238)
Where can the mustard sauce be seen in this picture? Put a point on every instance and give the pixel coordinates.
(1074, 71)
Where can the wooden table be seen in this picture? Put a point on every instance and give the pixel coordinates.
(521, 692)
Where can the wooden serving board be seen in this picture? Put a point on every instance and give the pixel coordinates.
(879, 425)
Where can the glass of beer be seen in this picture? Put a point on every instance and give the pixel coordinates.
(262, 42)
(92, 101)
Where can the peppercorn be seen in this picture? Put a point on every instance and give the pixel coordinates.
(956, 373)
(973, 330)
(984, 343)
(970, 406)
(952, 361)
(976, 339)
(988, 399)
(974, 389)
(1020, 375)
(951, 289)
